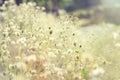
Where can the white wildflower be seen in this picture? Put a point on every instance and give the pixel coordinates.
(8, 38)
(43, 8)
(21, 66)
(115, 35)
(44, 75)
(59, 45)
(30, 4)
(52, 39)
(33, 71)
(51, 54)
(14, 27)
(21, 40)
(37, 44)
(69, 51)
(42, 35)
(34, 38)
(11, 23)
(97, 72)
(37, 7)
(30, 58)
(11, 66)
(17, 57)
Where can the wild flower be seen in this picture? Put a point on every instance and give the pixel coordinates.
(96, 73)
(30, 58)
(41, 47)
(21, 66)
(115, 35)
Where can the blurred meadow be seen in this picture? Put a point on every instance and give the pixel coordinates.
(59, 39)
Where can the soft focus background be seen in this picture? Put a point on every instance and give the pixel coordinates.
(94, 23)
(92, 11)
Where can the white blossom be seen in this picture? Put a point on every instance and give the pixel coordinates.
(30, 58)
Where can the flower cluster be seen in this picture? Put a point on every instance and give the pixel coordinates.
(37, 46)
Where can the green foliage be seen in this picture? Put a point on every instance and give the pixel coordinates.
(61, 3)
